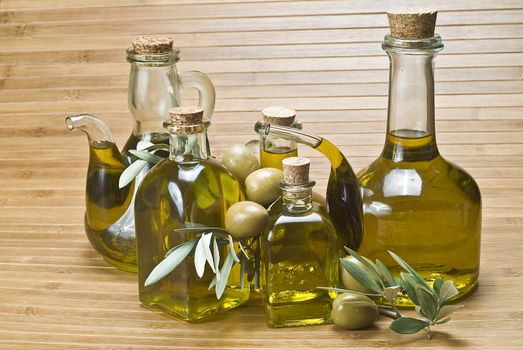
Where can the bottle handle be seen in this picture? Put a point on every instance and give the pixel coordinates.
(206, 94)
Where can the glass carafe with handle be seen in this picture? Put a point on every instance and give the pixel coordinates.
(416, 203)
(343, 197)
(154, 86)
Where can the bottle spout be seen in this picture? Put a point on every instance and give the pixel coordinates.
(94, 128)
(263, 128)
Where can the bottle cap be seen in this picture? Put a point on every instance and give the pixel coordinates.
(412, 26)
(279, 115)
(153, 44)
(186, 116)
(296, 170)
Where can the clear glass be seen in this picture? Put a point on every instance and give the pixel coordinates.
(299, 252)
(344, 202)
(417, 204)
(273, 149)
(188, 188)
(154, 87)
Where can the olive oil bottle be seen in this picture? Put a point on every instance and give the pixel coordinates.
(272, 149)
(299, 253)
(417, 204)
(344, 202)
(187, 189)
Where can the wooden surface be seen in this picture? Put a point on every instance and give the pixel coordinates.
(322, 58)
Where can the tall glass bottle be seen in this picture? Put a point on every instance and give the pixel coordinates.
(417, 204)
(189, 188)
(272, 149)
(343, 189)
(299, 252)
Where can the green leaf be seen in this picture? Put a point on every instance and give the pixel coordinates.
(408, 325)
(207, 249)
(156, 147)
(420, 313)
(168, 264)
(231, 247)
(445, 320)
(216, 255)
(243, 262)
(408, 268)
(364, 263)
(447, 291)
(409, 284)
(446, 311)
(386, 273)
(426, 302)
(390, 293)
(199, 257)
(224, 275)
(360, 275)
(131, 172)
(436, 286)
(142, 145)
(148, 157)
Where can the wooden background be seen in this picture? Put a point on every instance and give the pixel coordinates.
(322, 58)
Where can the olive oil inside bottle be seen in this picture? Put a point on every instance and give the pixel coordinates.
(423, 208)
(104, 206)
(272, 158)
(171, 196)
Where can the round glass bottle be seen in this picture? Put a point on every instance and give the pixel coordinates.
(417, 204)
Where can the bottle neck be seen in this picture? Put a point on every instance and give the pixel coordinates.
(153, 89)
(188, 148)
(410, 121)
(297, 198)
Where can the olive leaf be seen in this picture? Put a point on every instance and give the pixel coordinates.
(436, 285)
(447, 291)
(409, 284)
(386, 273)
(148, 157)
(446, 311)
(168, 264)
(131, 172)
(426, 301)
(224, 274)
(231, 244)
(243, 263)
(156, 147)
(216, 256)
(207, 249)
(408, 268)
(408, 325)
(199, 257)
(360, 275)
(365, 263)
(390, 293)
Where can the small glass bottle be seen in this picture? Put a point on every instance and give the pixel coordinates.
(299, 253)
(417, 204)
(273, 149)
(187, 189)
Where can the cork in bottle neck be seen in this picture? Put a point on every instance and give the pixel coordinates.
(279, 115)
(153, 49)
(296, 186)
(185, 121)
(296, 170)
(413, 31)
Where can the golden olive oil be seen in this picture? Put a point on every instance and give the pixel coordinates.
(423, 208)
(300, 253)
(173, 196)
(272, 158)
(104, 206)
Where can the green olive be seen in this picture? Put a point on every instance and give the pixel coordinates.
(354, 311)
(245, 220)
(262, 186)
(240, 161)
(349, 282)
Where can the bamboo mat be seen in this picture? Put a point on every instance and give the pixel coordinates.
(322, 58)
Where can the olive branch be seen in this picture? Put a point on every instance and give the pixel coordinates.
(431, 303)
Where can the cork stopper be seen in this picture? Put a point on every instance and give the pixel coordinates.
(153, 44)
(296, 170)
(186, 116)
(412, 26)
(279, 115)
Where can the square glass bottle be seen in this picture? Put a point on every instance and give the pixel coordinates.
(187, 189)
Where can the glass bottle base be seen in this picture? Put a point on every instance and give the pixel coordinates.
(120, 265)
(299, 314)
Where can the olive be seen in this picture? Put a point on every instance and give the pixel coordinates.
(349, 282)
(354, 311)
(262, 186)
(245, 220)
(240, 161)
